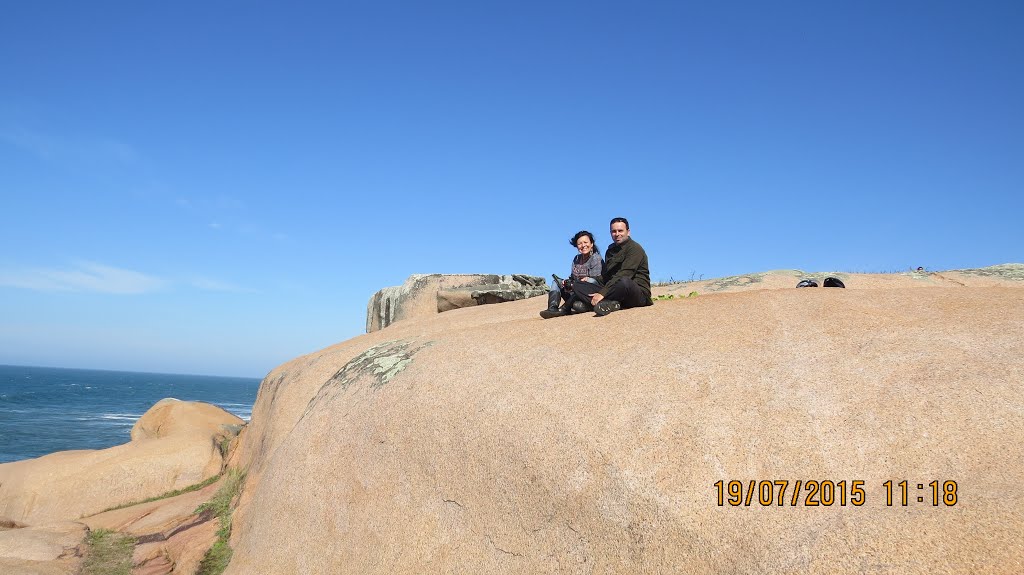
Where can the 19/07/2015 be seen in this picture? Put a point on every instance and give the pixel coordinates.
(826, 493)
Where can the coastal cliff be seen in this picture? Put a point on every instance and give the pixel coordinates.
(49, 504)
(752, 427)
(487, 440)
(173, 445)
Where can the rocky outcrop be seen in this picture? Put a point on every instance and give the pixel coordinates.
(54, 549)
(457, 443)
(172, 538)
(491, 441)
(174, 444)
(1005, 275)
(429, 294)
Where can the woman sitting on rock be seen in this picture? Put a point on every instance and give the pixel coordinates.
(586, 267)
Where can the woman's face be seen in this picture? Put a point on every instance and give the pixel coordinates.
(584, 245)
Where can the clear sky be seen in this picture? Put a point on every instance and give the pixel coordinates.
(217, 187)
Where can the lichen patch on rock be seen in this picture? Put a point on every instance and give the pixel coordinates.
(380, 363)
(735, 281)
(1005, 271)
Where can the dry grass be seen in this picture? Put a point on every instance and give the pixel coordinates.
(220, 506)
(108, 553)
(174, 493)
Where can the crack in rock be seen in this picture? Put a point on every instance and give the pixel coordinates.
(493, 544)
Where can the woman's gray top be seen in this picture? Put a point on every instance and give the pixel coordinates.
(590, 267)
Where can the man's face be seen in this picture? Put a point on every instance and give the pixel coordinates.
(619, 232)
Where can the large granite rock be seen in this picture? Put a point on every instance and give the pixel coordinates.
(429, 294)
(54, 549)
(491, 441)
(174, 444)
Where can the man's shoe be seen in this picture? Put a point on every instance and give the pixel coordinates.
(579, 307)
(550, 313)
(606, 306)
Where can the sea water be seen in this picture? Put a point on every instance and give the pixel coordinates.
(44, 409)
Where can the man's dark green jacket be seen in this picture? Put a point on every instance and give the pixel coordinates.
(626, 260)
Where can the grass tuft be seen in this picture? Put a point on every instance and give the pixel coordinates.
(224, 446)
(174, 493)
(220, 506)
(108, 553)
(216, 559)
(673, 296)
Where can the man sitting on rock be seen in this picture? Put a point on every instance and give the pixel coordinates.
(627, 279)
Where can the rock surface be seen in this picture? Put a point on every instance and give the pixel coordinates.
(55, 549)
(1007, 275)
(487, 440)
(429, 294)
(172, 539)
(174, 444)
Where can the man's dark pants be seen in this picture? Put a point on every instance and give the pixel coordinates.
(624, 291)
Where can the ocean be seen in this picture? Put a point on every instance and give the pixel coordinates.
(45, 409)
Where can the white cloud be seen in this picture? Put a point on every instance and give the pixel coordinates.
(84, 276)
(84, 150)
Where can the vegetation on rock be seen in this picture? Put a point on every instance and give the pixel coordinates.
(189, 489)
(108, 553)
(673, 296)
(220, 506)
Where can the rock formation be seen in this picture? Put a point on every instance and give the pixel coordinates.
(487, 440)
(54, 549)
(428, 294)
(174, 444)
(172, 539)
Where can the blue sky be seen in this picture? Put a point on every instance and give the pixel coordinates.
(217, 187)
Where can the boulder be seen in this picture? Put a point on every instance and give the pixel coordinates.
(490, 441)
(173, 445)
(54, 549)
(429, 294)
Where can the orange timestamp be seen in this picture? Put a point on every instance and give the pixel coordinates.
(828, 493)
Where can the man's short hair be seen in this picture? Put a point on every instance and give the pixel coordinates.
(623, 220)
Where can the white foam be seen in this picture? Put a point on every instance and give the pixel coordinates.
(130, 416)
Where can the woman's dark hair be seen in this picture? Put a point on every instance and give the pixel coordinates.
(582, 233)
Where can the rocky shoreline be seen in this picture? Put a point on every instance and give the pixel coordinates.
(467, 441)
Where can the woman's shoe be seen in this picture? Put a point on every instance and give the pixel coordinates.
(553, 312)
